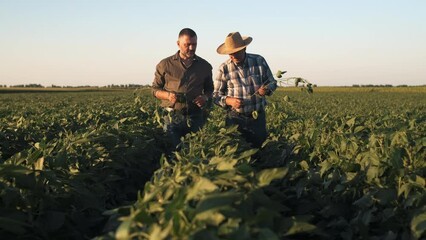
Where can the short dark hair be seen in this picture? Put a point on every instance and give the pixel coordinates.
(188, 32)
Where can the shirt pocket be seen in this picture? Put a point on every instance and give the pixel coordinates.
(172, 83)
(255, 80)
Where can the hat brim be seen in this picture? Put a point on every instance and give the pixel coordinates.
(222, 49)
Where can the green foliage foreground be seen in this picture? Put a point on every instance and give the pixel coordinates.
(72, 166)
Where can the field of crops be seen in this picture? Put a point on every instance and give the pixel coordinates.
(89, 165)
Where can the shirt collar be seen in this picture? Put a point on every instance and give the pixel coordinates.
(177, 57)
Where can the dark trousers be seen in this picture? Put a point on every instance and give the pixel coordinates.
(253, 130)
(177, 125)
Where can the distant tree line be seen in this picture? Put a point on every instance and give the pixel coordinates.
(32, 85)
(127, 86)
(381, 85)
(85, 86)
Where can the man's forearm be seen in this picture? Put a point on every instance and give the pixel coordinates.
(162, 94)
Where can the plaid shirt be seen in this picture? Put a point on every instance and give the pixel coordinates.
(242, 81)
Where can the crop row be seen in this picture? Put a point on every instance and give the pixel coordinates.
(84, 165)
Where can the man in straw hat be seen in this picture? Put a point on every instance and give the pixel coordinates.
(240, 87)
(184, 84)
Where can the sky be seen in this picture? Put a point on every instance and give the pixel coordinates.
(98, 43)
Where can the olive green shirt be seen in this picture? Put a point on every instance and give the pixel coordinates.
(171, 75)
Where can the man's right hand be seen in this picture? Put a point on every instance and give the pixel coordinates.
(234, 102)
(172, 97)
(166, 95)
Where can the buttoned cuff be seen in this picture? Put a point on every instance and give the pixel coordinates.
(223, 101)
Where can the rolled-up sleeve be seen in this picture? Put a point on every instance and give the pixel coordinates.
(159, 80)
(269, 79)
(220, 89)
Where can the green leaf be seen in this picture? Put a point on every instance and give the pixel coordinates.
(359, 129)
(295, 137)
(286, 98)
(299, 226)
(333, 156)
(225, 166)
(216, 160)
(13, 170)
(399, 139)
(244, 168)
(266, 176)
(247, 153)
(372, 173)
(418, 225)
(34, 156)
(350, 122)
(304, 165)
(143, 217)
(420, 181)
(231, 226)
(123, 231)
(201, 186)
(179, 177)
(38, 165)
(213, 218)
(216, 200)
(325, 166)
(155, 232)
(405, 189)
(343, 145)
(255, 114)
(154, 207)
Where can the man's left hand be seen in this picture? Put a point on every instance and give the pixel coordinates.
(262, 91)
(200, 101)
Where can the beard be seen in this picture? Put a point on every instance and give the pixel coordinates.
(188, 54)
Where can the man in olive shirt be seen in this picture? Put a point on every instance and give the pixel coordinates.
(184, 84)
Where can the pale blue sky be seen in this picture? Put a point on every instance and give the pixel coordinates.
(87, 42)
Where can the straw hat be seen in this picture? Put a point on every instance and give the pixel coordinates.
(233, 43)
